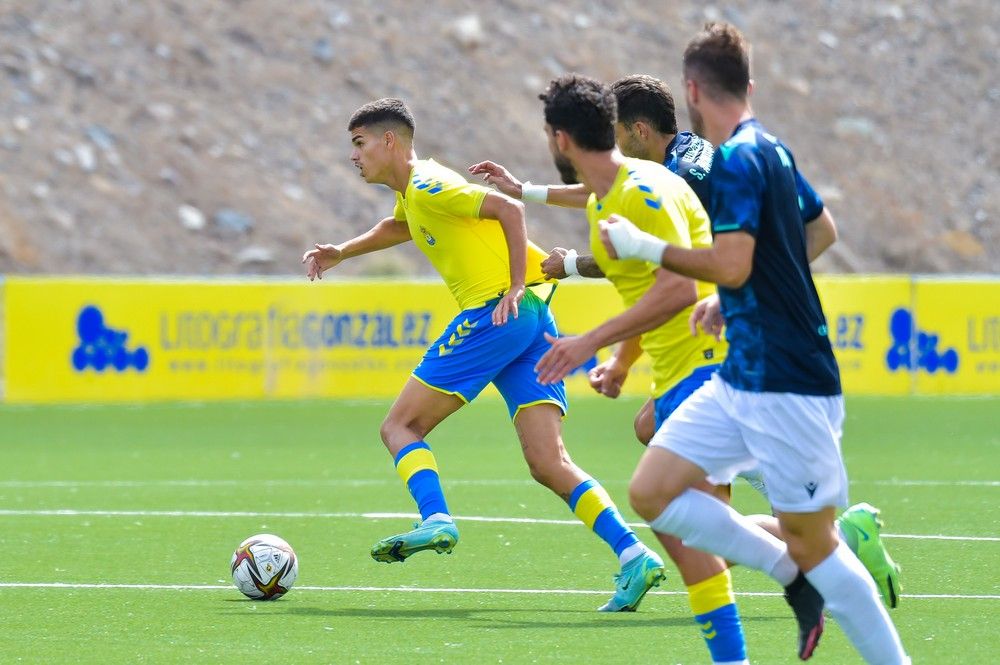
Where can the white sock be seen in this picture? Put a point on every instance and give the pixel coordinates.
(703, 522)
(438, 517)
(853, 601)
(631, 552)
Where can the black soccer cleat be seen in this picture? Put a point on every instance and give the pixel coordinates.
(807, 605)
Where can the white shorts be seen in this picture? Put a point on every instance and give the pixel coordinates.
(794, 438)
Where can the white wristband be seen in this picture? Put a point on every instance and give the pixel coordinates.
(534, 193)
(569, 263)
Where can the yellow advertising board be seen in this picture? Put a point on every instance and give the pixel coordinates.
(858, 315)
(111, 340)
(79, 340)
(952, 343)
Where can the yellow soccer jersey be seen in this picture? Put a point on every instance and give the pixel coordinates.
(441, 210)
(661, 203)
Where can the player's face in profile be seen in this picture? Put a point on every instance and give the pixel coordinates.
(565, 167)
(369, 153)
(629, 141)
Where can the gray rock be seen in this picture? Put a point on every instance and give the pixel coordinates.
(191, 217)
(254, 254)
(322, 50)
(467, 31)
(232, 222)
(101, 137)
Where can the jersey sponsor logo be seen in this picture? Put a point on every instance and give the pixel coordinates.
(811, 488)
(913, 349)
(102, 346)
(708, 353)
(428, 237)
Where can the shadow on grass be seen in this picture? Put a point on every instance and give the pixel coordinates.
(498, 617)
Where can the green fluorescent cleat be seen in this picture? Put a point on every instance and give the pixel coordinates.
(861, 525)
(636, 578)
(438, 536)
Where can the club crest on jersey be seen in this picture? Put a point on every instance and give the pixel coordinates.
(428, 237)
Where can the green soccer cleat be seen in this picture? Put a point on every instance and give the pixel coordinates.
(438, 536)
(636, 578)
(861, 525)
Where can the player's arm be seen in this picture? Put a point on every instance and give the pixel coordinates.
(561, 263)
(608, 377)
(510, 214)
(669, 294)
(821, 232)
(567, 196)
(727, 262)
(385, 234)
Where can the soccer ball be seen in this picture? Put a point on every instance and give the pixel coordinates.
(264, 567)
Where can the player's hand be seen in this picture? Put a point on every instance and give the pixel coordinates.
(508, 305)
(608, 377)
(708, 314)
(566, 354)
(498, 176)
(623, 240)
(554, 265)
(321, 259)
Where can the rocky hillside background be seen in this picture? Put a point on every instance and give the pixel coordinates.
(208, 136)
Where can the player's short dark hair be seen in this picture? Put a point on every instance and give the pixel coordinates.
(718, 57)
(642, 97)
(582, 107)
(387, 111)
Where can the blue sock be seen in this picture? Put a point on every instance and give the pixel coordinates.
(592, 505)
(416, 465)
(714, 607)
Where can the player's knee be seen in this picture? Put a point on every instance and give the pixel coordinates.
(398, 431)
(646, 499)
(545, 471)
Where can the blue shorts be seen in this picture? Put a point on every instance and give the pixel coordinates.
(668, 402)
(472, 353)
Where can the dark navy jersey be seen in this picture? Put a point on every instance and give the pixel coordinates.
(774, 323)
(690, 157)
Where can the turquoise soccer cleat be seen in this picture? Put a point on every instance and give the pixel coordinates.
(636, 578)
(861, 525)
(438, 536)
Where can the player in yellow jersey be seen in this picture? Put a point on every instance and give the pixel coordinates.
(476, 239)
(580, 116)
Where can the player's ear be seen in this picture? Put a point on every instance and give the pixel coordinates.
(562, 140)
(691, 87)
(750, 88)
(389, 138)
(642, 129)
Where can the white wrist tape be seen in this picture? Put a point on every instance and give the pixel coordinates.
(631, 243)
(569, 263)
(534, 193)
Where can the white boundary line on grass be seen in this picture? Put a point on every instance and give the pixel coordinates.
(379, 589)
(347, 482)
(66, 512)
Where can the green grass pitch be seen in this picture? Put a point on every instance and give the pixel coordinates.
(107, 500)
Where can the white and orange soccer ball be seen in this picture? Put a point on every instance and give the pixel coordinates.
(264, 567)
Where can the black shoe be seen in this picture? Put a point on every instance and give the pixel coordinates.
(807, 604)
